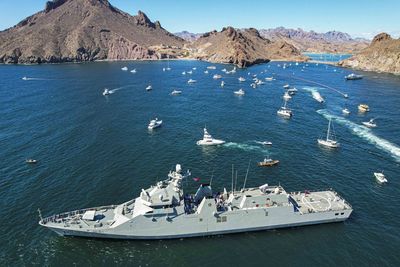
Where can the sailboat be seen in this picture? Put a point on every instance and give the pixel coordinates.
(329, 141)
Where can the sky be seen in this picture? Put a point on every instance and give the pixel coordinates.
(359, 18)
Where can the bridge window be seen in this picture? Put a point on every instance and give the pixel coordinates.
(342, 213)
(336, 214)
(221, 219)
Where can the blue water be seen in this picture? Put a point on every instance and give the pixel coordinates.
(327, 57)
(95, 150)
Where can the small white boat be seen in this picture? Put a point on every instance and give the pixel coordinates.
(154, 124)
(133, 71)
(329, 141)
(194, 68)
(353, 76)
(317, 96)
(269, 79)
(206, 72)
(370, 124)
(253, 85)
(168, 68)
(189, 72)
(191, 81)
(222, 83)
(184, 73)
(163, 69)
(124, 68)
(286, 96)
(266, 143)
(286, 86)
(25, 78)
(346, 111)
(380, 177)
(239, 92)
(208, 140)
(31, 161)
(211, 67)
(176, 92)
(217, 76)
(223, 70)
(292, 91)
(148, 88)
(107, 92)
(241, 79)
(285, 111)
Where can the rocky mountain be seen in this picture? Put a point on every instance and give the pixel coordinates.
(85, 30)
(382, 55)
(242, 47)
(329, 42)
(188, 36)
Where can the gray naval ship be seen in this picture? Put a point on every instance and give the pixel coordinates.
(163, 211)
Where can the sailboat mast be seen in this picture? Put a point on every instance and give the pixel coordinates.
(328, 132)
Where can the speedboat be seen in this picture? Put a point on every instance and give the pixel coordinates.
(286, 96)
(124, 68)
(292, 91)
(208, 140)
(329, 141)
(183, 72)
(241, 79)
(133, 71)
(211, 67)
(206, 71)
(107, 92)
(189, 72)
(266, 143)
(353, 76)
(31, 161)
(267, 162)
(148, 88)
(191, 81)
(380, 177)
(317, 96)
(346, 111)
(222, 84)
(25, 78)
(154, 124)
(286, 86)
(259, 82)
(194, 68)
(217, 76)
(176, 92)
(285, 111)
(363, 108)
(370, 124)
(239, 92)
(269, 79)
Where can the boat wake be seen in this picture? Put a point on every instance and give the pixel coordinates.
(34, 79)
(246, 147)
(118, 88)
(312, 89)
(365, 134)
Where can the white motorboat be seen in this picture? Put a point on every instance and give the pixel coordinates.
(148, 88)
(353, 76)
(154, 124)
(253, 85)
(194, 68)
(191, 81)
(217, 76)
(223, 70)
(370, 124)
(346, 111)
(286, 96)
(133, 71)
(183, 72)
(206, 72)
(240, 92)
(25, 78)
(266, 143)
(208, 140)
(176, 92)
(124, 68)
(329, 141)
(31, 161)
(189, 72)
(211, 67)
(222, 83)
(241, 79)
(269, 79)
(107, 92)
(317, 96)
(380, 177)
(286, 86)
(292, 91)
(285, 111)
(163, 69)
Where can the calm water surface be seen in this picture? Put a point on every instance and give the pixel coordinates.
(95, 150)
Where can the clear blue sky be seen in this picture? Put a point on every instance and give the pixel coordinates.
(362, 18)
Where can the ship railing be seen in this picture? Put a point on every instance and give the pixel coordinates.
(66, 216)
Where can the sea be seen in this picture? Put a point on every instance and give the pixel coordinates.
(95, 150)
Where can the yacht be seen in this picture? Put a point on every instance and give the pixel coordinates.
(154, 124)
(267, 162)
(133, 71)
(191, 81)
(370, 124)
(124, 68)
(222, 83)
(239, 92)
(148, 88)
(329, 141)
(217, 76)
(176, 92)
(266, 143)
(269, 79)
(380, 177)
(285, 111)
(317, 96)
(241, 79)
(353, 76)
(286, 96)
(286, 86)
(363, 108)
(346, 111)
(107, 92)
(208, 140)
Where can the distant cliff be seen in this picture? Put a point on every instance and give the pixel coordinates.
(84, 30)
(382, 55)
(242, 48)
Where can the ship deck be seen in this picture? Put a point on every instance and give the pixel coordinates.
(311, 202)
